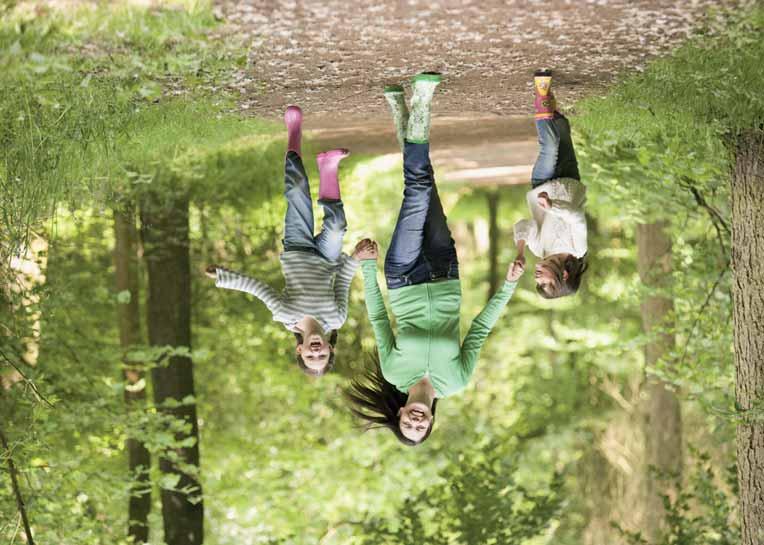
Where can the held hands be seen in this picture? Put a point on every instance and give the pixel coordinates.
(366, 249)
(211, 271)
(516, 268)
(544, 201)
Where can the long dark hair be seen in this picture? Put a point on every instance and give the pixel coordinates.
(329, 364)
(576, 267)
(377, 402)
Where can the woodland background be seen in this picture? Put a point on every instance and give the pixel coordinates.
(132, 389)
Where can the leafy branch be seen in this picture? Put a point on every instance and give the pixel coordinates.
(16, 490)
(27, 381)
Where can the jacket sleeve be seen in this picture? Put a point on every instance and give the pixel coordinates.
(481, 327)
(232, 280)
(375, 307)
(342, 283)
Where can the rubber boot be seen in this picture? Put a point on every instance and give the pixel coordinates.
(422, 90)
(397, 101)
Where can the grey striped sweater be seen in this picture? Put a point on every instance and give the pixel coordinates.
(314, 287)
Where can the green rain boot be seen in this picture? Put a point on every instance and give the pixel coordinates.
(397, 101)
(423, 88)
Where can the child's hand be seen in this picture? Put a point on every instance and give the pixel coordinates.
(366, 249)
(211, 271)
(544, 201)
(516, 269)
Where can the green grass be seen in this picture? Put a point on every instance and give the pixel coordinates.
(669, 128)
(104, 99)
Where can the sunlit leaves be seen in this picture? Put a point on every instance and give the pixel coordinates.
(478, 500)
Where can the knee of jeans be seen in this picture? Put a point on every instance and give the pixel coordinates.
(292, 187)
(336, 226)
(418, 173)
(550, 145)
(331, 238)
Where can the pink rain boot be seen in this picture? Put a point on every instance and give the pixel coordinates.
(328, 163)
(545, 103)
(293, 121)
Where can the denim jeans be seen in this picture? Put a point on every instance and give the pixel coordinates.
(421, 249)
(298, 222)
(556, 158)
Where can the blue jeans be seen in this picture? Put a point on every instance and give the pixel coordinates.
(298, 222)
(556, 158)
(421, 249)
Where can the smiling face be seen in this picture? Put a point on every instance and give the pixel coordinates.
(314, 351)
(414, 420)
(549, 273)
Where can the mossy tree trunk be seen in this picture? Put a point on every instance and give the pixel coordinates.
(660, 405)
(128, 315)
(748, 312)
(165, 233)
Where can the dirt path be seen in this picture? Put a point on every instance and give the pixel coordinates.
(334, 56)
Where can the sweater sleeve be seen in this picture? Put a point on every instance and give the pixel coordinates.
(342, 283)
(375, 307)
(481, 327)
(232, 280)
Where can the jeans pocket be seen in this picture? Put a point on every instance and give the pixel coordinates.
(395, 282)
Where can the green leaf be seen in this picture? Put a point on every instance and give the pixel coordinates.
(123, 297)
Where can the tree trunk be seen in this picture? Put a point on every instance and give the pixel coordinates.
(748, 311)
(128, 315)
(493, 242)
(164, 228)
(660, 405)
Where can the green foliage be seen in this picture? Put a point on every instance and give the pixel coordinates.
(106, 103)
(477, 500)
(98, 97)
(704, 510)
(659, 147)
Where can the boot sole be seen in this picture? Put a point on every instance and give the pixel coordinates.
(393, 89)
(428, 76)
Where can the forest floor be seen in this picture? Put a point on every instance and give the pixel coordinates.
(333, 57)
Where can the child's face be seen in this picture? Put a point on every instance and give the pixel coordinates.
(548, 272)
(315, 351)
(414, 420)
(545, 275)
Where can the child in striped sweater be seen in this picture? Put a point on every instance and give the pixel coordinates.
(318, 275)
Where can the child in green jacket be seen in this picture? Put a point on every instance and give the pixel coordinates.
(425, 360)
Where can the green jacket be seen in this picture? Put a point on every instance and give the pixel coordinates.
(427, 318)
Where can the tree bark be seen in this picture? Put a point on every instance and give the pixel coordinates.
(660, 405)
(128, 315)
(16, 490)
(164, 229)
(493, 242)
(748, 313)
